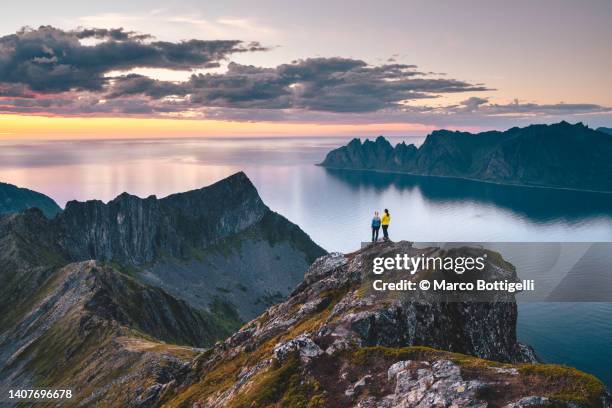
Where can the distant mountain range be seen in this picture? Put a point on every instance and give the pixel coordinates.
(605, 130)
(559, 155)
(15, 199)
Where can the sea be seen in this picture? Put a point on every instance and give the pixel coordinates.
(335, 208)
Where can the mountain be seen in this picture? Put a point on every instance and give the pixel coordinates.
(63, 321)
(14, 199)
(336, 343)
(132, 287)
(559, 155)
(605, 130)
(220, 241)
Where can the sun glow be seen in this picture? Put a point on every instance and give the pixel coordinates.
(48, 127)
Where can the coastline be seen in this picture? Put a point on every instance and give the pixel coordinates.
(468, 179)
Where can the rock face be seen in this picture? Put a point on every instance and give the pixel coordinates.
(137, 231)
(14, 199)
(191, 244)
(559, 155)
(312, 351)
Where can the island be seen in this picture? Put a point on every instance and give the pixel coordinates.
(561, 155)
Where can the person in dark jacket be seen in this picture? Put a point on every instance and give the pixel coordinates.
(375, 226)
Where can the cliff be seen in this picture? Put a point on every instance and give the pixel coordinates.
(559, 155)
(136, 231)
(14, 199)
(194, 244)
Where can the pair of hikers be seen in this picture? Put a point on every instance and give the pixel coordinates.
(377, 222)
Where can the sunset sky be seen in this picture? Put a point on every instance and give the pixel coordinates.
(122, 69)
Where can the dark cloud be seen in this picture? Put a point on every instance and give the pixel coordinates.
(116, 34)
(52, 71)
(473, 103)
(48, 59)
(318, 84)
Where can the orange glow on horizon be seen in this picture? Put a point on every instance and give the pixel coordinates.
(14, 127)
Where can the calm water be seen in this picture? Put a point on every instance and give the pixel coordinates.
(335, 207)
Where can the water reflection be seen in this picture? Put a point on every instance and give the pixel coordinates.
(537, 204)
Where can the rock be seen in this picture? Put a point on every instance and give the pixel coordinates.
(503, 370)
(397, 368)
(527, 402)
(338, 345)
(432, 385)
(306, 348)
(353, 389)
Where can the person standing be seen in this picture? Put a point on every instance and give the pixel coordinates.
(375, 226)
(386, 219)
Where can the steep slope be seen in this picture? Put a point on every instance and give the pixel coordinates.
(335, 343)
(29, 255)
(14, 199)
(85, 325)
(559, 155)
(217, 242)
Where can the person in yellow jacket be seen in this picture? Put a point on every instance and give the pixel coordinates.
(386, 219)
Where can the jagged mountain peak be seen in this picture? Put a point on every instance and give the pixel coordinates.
(133, 230)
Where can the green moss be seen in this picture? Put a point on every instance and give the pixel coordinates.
(216, 379)
(225, 316)
(365, 355)
(573, 385)
(282, 384)
(126, 269)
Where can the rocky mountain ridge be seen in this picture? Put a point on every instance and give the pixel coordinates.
(191, 244)
(334, 343)
(560, 155)
(80, 301)
(137, 231)
(97, 327)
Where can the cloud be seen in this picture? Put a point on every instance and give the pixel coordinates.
(48, 59)
(474, 103)
(317, 84)
(79, 72)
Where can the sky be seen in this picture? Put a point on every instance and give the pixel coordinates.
(121, 69)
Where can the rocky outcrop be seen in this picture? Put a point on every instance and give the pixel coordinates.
(559, 155)
(311, 350)
(14, 199)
